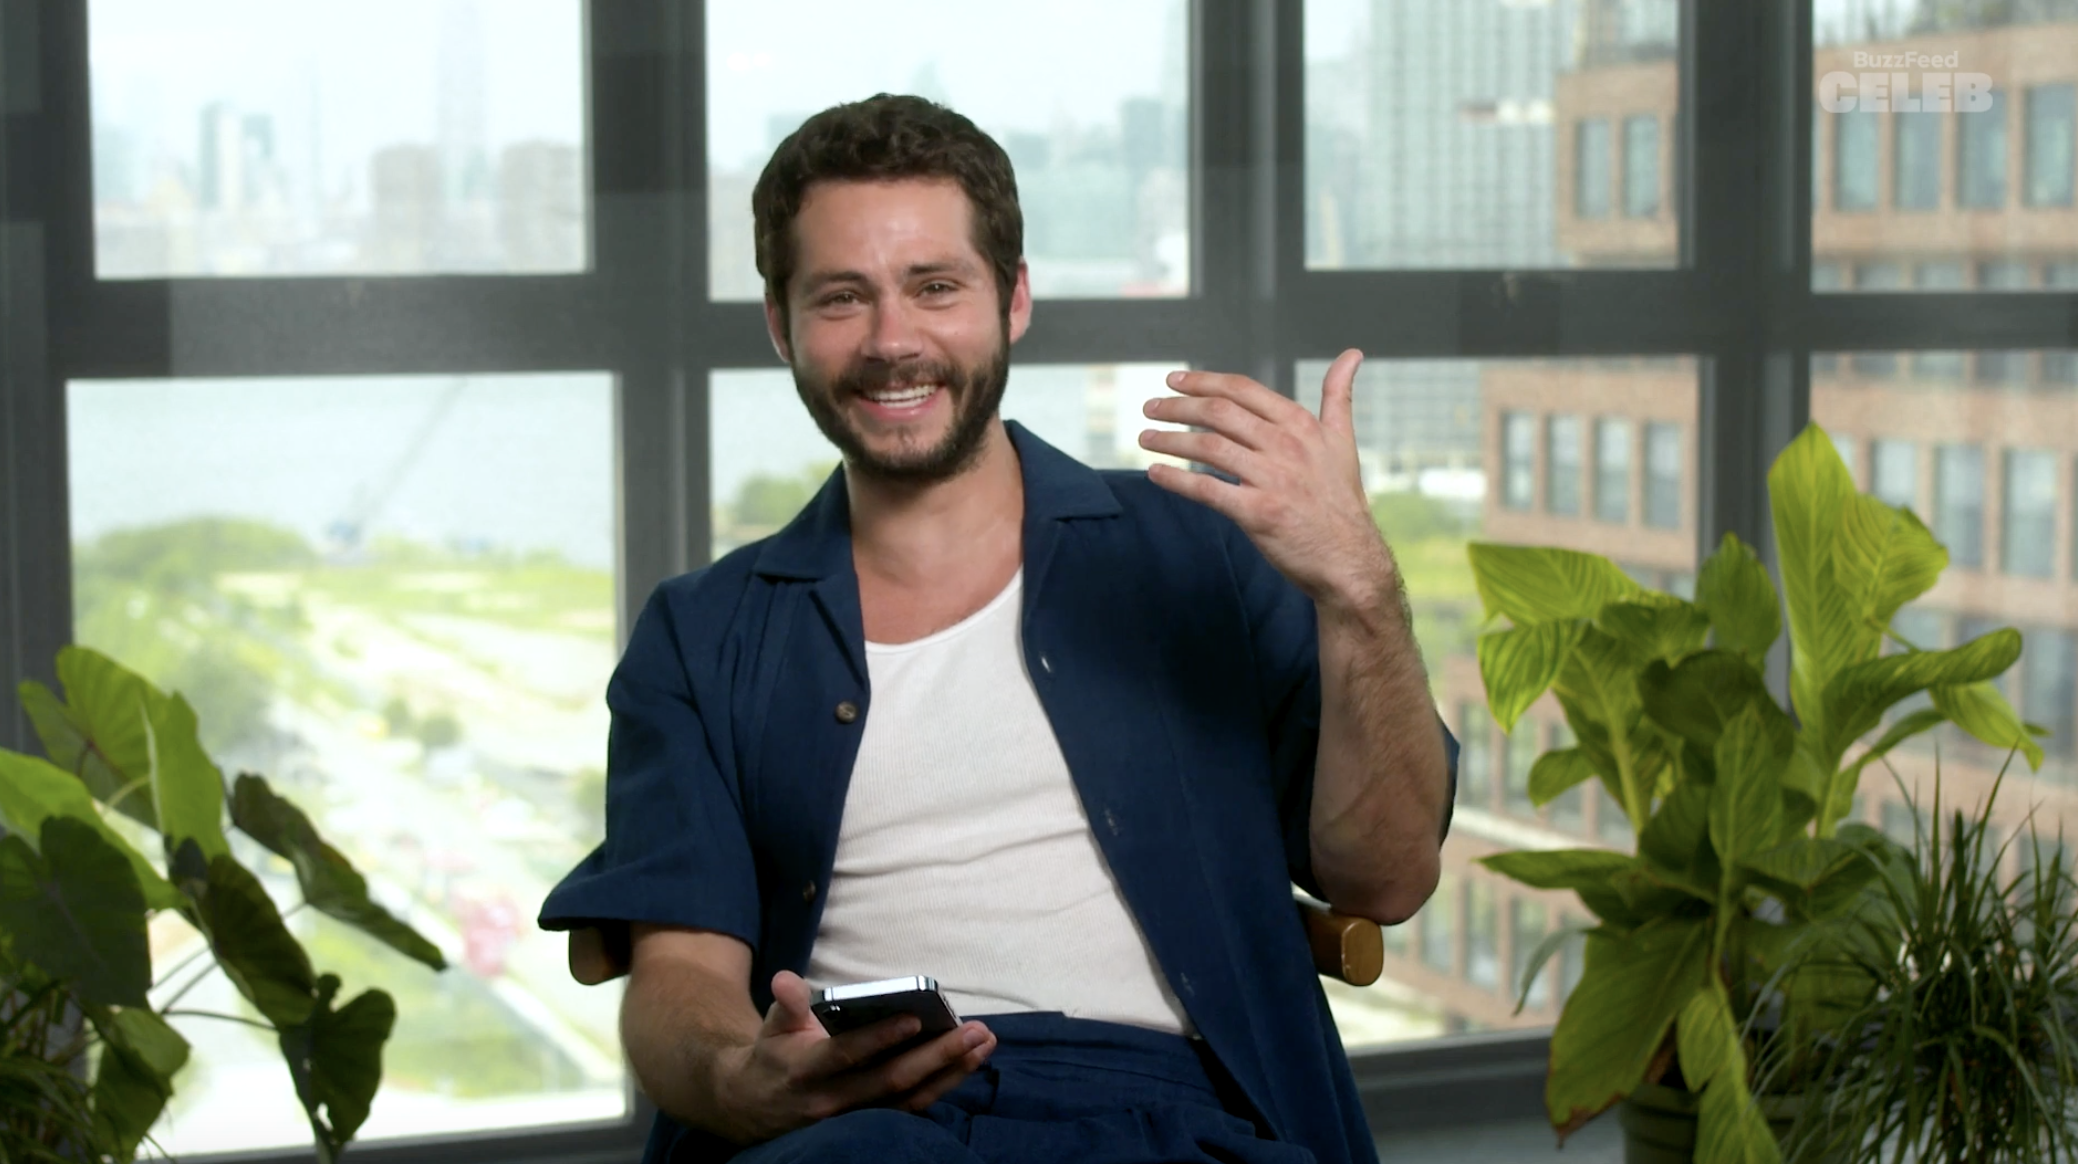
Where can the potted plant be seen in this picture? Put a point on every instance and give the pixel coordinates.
(1702, 936)
(87, 1062)
(1965, 1046)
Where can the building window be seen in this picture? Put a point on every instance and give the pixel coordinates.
(1613, 470)
(1482, 935)
(1916, 160)
(1854, 160)
(1959, 503)
(2003, 367)
(1525, 930)
(1980, 157)
(2049, 695)
(2027, 544)
(1641, 167)
(1439, 926)
(2051, 134)
(1894, 473)
(1518, 448)
(1663, 476)
(1939, 275)
(1562, 436)
(1826, 275)
(1591, 168)
(1475, 762)
(1521, 757)
(1883, 275)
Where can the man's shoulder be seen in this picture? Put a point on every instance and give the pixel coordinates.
(703, 603)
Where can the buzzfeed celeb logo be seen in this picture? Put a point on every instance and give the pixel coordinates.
(1880, 84)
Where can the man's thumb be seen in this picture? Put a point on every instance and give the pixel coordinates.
(789, 1004)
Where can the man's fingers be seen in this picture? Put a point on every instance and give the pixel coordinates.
(1338, 393)
(887, 1082)
(790, 1012)
(933, 1089)
(1240, 389)
(1205, 448)
(846, 1051)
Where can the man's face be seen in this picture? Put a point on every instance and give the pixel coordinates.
(898, 345)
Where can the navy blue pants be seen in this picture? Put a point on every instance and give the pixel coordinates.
(1055, 1089)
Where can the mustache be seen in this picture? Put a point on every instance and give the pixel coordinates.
(871, 377)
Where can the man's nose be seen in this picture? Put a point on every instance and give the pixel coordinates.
(894, 336)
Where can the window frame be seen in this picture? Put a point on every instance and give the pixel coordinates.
(1740, 161)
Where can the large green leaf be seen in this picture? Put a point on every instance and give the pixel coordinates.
(33, 791)
(187, 788)
(1840, 790)
(1614, 1021)
(1695, 698)
(1533, 584)
(1519, 664)
(1808, 488)
(252, 945)
(1885, 558)
(1705, 1038)
(1746, 803)
(1541, 953)
(1599, 685)
(1733, 588)
(1674, 838)
(330, 883)
(1555, 771)
(75, 910)
(1730, 1128)
(98, 733)
(135, 1078)
(336, 1060)
(1860, 693)
(1665, 629)
(1587, 872)
(1980, 710)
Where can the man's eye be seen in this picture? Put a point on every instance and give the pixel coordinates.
(936, 288)
(839, 299)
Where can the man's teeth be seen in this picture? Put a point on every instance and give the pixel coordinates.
(904, 396)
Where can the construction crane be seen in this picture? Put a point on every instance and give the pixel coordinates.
(347, 531)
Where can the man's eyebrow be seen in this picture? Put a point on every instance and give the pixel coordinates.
(819, 280)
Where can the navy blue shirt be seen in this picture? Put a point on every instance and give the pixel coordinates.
(1179, 671)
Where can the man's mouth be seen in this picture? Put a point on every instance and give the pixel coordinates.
(903, 399)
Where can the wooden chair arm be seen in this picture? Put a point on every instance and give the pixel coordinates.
(1351, 949)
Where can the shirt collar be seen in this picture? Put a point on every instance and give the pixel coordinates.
(817, 543)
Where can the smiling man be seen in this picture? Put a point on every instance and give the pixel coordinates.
(1061, 739)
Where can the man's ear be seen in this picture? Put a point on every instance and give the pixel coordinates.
(775, 327)
(1020, 303)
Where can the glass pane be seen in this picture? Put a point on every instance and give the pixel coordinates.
(1438, 929)
(1612, 470)
(1562, 465)
(1491, 133)
(1482, 934)
(1432, 497)
(394, 137)
(1525, 930)
(1975, 126)
(769, 458)
(1994, 479)
(394, 598)
(1095, 126)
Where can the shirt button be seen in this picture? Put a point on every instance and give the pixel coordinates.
(1046, 664)
(808, 893)
(847, 711)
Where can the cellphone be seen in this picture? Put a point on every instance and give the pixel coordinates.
(847, 1008)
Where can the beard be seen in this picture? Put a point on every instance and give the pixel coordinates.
(973, 391)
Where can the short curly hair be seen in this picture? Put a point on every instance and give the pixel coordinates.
(886, 137)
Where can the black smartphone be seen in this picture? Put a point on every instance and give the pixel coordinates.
(847, 1008)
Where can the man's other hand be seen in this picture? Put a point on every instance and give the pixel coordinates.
(795, 1073)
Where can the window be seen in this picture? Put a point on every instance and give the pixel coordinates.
(1900, 823)
(2052, 131)
(2002, 367)
(1095, 126)
(1664, 454)
(1591, 166)
(1438, 925)
(2028, 541)
(1916, 160)
(1483, 136)
(1894, 472)
(388, 138)
(1475, 762)
(1641, 167)
(1482, 935)
(1613, 470)
(1883, 275)
(1826, 275)
(1611, 822)
(1562, 447)
(1846, 447)
(1522, 756)
(1526, 925)
(1981, 156)
(2049, 686)
(1569, 808)
(1854, 159)
(398, 597)
(1939, 275)
(1959, 503)
(1518, 436)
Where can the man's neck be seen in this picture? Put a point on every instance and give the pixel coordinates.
(924, 535)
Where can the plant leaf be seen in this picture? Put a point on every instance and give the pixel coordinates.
(257, 952)
(75, 910)
(1541, 953)
(1980, 710)
(33, 791)
(1518, 664)
(187, 788)
(1587, 872)
(335, 1059)
(330, 883)
(1746, 803)
(1730, 1127)
(1808, 487)
(1840, 790)
(1535, 584)
(1885, 558)
(1661, 629)
(1556, 771)
(1733, 588)
(1859, 694)
(135, 1078)
(1695, 698)
(96, 735)
(1674, 838)
(1630, 991)
(1705, 1040)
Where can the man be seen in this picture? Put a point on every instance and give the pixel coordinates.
(1061, 739)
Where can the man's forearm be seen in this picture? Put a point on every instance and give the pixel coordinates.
(1380, 782)
(679, 1029)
